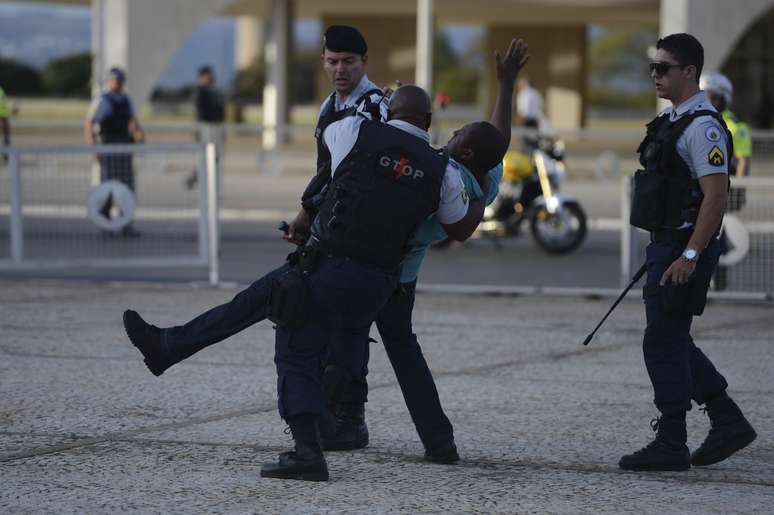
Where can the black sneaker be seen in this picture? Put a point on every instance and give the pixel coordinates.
(147, 339)
(444, 455)
(729, 432)
(666, 452)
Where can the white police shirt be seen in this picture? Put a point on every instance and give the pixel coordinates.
(342, 135)
(703, 144)
(364, 85)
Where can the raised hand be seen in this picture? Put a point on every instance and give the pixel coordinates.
(516, 57)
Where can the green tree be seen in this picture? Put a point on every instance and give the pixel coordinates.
(618, 67)
(456, 76)
(248, 83)
(68, 76)
(303, 78)
(18, 78)
(461, 84)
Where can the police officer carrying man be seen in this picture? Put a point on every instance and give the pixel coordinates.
(115, 117)
(720, 92)
(680, 197)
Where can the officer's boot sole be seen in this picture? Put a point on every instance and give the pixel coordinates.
(745, 435)
(443, 459)
(665, 460)
(308, 473)
(656, 467)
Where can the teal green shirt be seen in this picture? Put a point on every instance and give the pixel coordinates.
(431, 229)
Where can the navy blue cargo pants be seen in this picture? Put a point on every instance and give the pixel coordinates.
(345, 297)
(248, 307)
(678, 369)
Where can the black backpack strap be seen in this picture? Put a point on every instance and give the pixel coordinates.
(322, 122)
(369, 106)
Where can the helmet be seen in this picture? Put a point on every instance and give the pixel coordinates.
(717, 83)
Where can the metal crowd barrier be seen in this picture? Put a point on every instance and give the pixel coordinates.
(109, 206)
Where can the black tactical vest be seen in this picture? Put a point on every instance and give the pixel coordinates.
(386, 186)
(115, 128)
(330, 115)
(665, 194)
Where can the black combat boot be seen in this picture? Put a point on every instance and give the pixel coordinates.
(445, 455)
(729, 432)
(349, 430)
(147, 339)
(306, 462)
(667, 451)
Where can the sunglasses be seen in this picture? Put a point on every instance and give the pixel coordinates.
(662, 68)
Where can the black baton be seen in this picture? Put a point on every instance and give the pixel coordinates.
(636, 278)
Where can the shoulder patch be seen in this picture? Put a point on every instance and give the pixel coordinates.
(715, 156)
(712, 133)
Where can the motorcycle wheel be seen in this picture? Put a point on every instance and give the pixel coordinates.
(561, 232)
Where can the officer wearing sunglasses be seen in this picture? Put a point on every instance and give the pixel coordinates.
(680, 197)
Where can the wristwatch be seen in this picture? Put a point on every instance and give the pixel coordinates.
(691, 254)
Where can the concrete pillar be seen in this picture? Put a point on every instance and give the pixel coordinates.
(98, 46)
(249, 40)
(423, 75)
(275, 90)
(557, 66)
(141, 36)
(392, 51)
(718, 24)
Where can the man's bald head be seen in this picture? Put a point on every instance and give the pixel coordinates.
(411, 104)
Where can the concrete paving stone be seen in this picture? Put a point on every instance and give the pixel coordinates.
(539, 420)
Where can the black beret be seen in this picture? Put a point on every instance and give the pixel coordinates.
(342, 38)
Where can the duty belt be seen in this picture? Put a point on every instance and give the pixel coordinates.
(310, 254)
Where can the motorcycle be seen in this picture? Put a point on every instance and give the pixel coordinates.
(529, 192)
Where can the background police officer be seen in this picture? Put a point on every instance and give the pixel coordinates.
(680, 197)
(720, 92)
(115, 118)
(210, 113)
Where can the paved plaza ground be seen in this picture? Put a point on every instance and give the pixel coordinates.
(540, 421)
